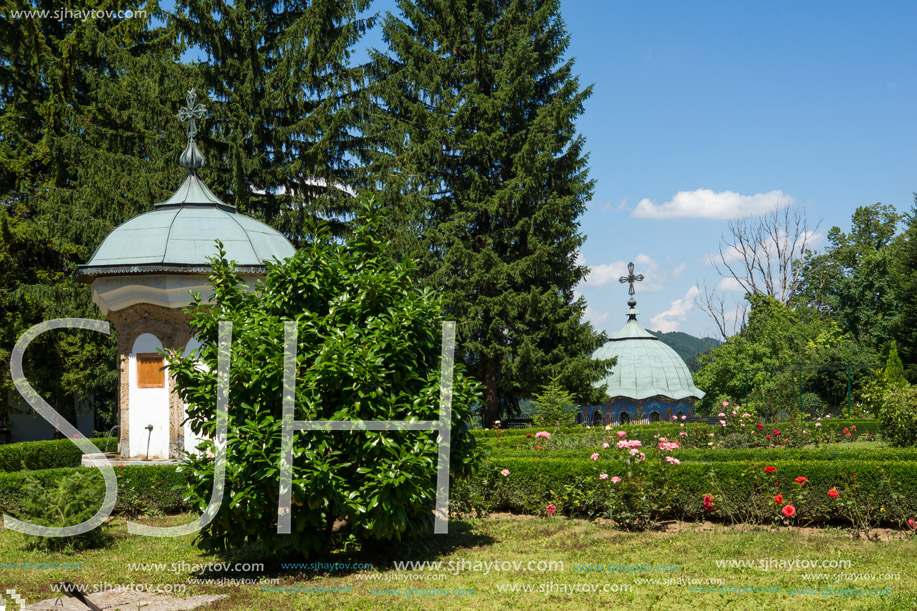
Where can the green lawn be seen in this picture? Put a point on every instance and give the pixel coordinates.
(694, 548)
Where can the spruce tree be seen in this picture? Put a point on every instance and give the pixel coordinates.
(283, 102)
(477, 107)
(86, 144)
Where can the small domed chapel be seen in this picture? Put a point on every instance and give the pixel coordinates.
(649, 383)
(140, 278)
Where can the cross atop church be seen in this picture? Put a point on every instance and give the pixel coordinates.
(191, 113)
(630, 278)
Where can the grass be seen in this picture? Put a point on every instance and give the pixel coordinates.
(695, 548)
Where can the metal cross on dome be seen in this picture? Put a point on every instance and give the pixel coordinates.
(191, 113)
(630, 278)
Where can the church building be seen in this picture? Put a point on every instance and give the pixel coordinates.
(141, 276)
(649, 383)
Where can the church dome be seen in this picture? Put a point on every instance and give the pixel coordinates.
(178, 236)
(646, 366)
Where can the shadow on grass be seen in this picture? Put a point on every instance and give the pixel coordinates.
(379, 555)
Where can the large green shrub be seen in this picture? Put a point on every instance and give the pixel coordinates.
(47, 454)
(899, 416)
(369, 347)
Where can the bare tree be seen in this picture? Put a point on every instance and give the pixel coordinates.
(760, 253)
(729, 317)
(763, 255)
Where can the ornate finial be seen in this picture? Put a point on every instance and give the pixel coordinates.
(191, 113)
(191, 158)
(630, 278)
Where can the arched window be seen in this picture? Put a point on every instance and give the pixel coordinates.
(654, 416)
(681, 414)
(624, 418)
(597, 418)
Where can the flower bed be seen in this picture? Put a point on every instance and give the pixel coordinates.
(868, 492)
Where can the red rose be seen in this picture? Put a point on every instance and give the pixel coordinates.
(770, 469)
(529, 435)
(778, 498)
(832, 493)
(854, 427)
(708, 503)
(537, 447)
(789, 511)
(768, 436)
(801, 480)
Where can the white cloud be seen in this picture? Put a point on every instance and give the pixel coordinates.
(672, 318)
(608, 273)
(678, 271)
(595, 317)
(730, 284)
(707, 204)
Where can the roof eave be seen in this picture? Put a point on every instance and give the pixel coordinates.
(87, 273)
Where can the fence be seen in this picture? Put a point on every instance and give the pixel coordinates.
(831, 388)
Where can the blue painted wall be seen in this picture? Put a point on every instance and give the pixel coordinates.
(610, 413)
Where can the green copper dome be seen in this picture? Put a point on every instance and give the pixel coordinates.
(180, 234)
(646, 366)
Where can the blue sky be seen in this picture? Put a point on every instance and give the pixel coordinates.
(814, 100)
(710, 104)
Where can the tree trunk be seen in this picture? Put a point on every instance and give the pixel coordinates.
(491, 395)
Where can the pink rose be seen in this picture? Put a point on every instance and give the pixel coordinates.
(505, 472)
(616, 480)
(603, 476)
(594, 456)
(622, 434)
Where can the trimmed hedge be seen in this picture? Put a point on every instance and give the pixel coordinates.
(39, 455)
(141, 489)
(873, 492)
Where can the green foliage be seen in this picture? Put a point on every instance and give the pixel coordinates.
(147, 489)
(812, 403)
(767, 354)
(555, 406)
(369, 349)
(36, 455)
(89, 140)
(904, 281)
(886, 380)
(899, 416)
(75, 499)
(480, 157)
(885, 492)
(283, 102)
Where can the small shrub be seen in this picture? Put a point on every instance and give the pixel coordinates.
(75, 499)
(555, 406)
(899, 417)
